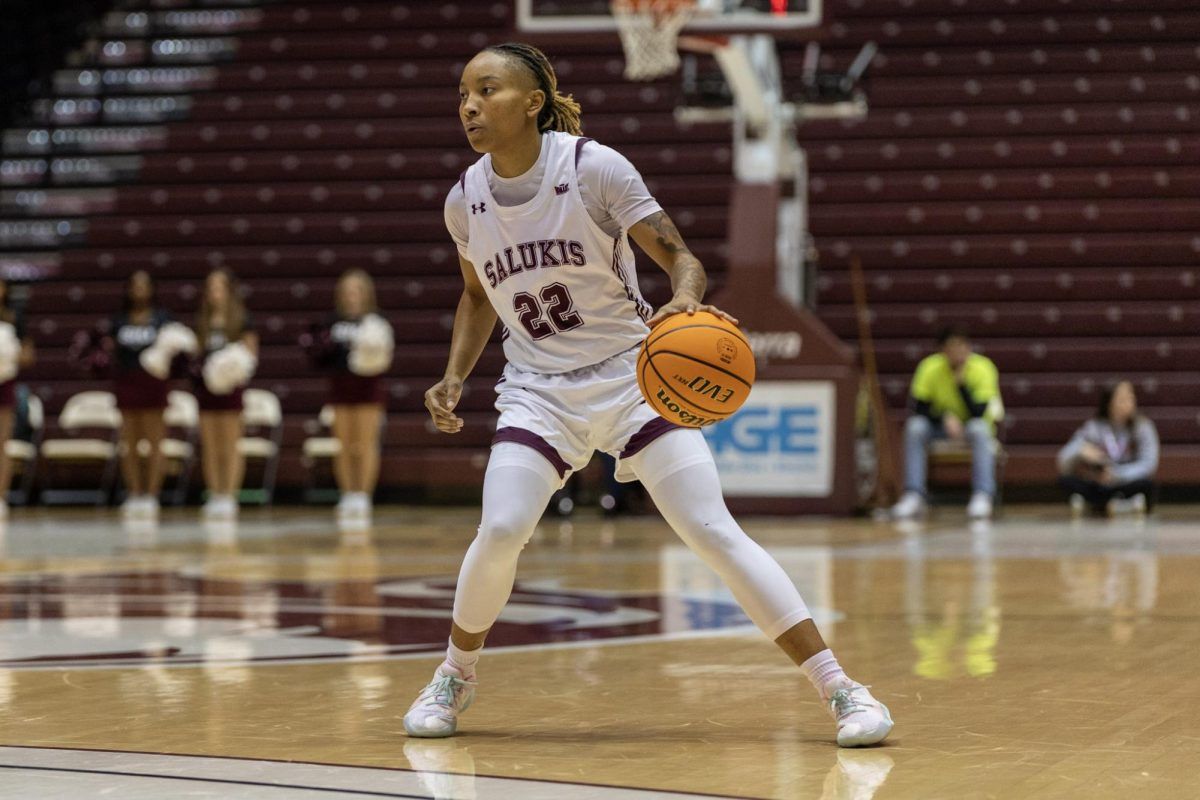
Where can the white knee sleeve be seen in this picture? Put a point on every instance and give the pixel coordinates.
(668, 454)
(679, 473)
(516, 488)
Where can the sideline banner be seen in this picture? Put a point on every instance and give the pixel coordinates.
(780, 443)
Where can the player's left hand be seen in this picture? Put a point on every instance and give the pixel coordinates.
(689, 307)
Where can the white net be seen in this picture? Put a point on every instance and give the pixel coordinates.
(649, 34)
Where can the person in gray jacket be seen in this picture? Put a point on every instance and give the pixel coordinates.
(1110, 462)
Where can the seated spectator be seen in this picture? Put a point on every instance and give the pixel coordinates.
(955, 394)
(1110, 462)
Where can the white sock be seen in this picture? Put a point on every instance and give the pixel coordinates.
(825, 673)
(463, 660)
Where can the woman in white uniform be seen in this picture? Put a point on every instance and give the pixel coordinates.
(543, 222)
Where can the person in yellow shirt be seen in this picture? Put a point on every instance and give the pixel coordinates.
(955, 394)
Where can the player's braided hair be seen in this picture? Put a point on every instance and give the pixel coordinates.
(559, 112)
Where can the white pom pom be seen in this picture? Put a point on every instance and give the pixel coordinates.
(228, 368)
(156, 360)
(371, 353)
(10, 351)
(176, 338)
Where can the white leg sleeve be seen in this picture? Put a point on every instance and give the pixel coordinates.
(516, 488)
(678, 471)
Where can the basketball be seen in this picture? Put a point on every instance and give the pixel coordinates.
(695, 370)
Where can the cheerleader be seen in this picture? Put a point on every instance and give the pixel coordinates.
(355, 347)
(144, 343)
(16, 353)
(228, 356)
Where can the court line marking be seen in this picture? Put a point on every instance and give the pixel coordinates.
(732, 631)
(678, 792)
(196, 779)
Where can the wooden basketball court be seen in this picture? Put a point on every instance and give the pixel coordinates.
(1031, 658)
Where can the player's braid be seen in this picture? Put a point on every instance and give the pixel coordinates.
(559, 112)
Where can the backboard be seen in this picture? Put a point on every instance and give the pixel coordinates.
(712, 16)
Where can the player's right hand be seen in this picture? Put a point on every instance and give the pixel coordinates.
(440, 399)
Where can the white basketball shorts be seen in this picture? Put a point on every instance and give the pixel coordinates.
(567, 416)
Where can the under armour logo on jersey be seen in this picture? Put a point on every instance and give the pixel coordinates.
(478, 209)
(562, 188)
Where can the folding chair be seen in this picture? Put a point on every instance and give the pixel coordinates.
(263, 418)
(318, 449)
(23, 449)
(83, 413)
(182, 416)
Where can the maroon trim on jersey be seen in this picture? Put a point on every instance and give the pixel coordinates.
(618, 269)
(531, 439)
(579, 148)
(462, 181)
(647, 434)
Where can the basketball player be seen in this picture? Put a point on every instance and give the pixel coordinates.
(543, 222)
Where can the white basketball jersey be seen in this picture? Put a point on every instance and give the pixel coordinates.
(565, 290)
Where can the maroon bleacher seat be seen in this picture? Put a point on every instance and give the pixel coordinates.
(1027, 168)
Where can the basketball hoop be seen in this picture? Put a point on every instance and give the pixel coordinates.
(649, 33)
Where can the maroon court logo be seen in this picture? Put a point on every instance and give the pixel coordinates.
(181, 618)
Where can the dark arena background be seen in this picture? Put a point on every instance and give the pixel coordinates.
(857, 176)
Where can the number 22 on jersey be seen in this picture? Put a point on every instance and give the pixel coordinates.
(556, 306)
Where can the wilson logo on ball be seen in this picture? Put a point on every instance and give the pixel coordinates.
(677, 413)
(695, 369)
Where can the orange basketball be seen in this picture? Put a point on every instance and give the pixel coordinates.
(695, 370)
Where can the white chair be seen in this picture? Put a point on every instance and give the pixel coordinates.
(263, 418)
(23, 453)
(319, 448)
(181, 416)
(85, 412)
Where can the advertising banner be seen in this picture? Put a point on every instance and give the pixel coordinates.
(780, 443)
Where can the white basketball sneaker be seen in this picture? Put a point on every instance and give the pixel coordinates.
(980, 506)
(911, 506)
(132, 506)
(1134, 505)
(434, 714)
(861, 719)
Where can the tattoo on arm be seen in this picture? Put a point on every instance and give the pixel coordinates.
(687, 276)
(668, 235)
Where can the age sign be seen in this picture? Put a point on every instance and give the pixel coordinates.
(780, 444)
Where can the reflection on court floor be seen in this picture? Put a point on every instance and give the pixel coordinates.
(275, 658)
(38, 774)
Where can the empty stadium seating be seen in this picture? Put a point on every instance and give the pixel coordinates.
(1028, 168)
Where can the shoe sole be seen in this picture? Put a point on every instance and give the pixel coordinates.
(429, 734)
